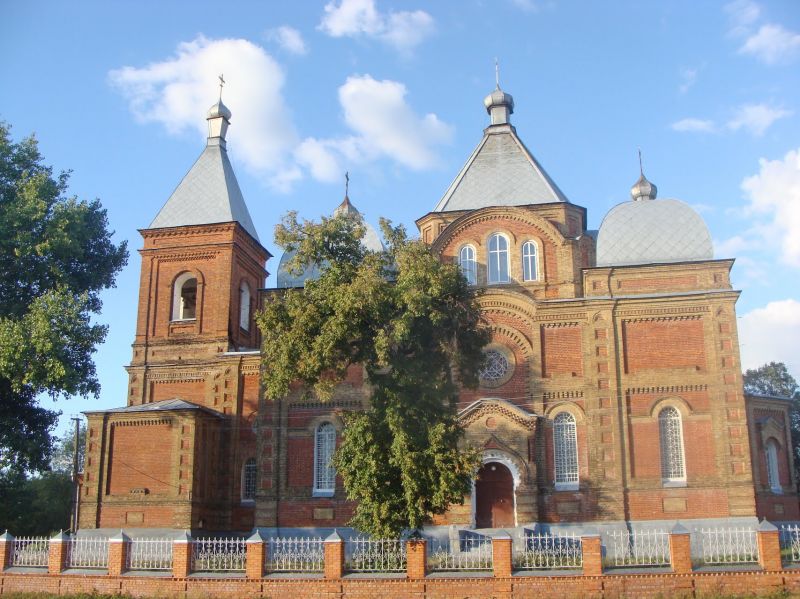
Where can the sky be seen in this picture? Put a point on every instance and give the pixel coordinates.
(392, 92)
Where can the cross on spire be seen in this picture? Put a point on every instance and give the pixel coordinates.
(221, 83)
(497, 72)
(346, 183)
(641, 170)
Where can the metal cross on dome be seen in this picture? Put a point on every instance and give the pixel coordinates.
(221, 83)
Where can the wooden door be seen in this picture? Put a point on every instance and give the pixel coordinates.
(494, 496)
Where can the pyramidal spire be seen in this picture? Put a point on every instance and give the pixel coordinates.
(209, 193)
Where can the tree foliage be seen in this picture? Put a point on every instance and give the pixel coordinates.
(56, 256)
(414, 325)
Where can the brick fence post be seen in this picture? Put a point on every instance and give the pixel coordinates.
(501, 555)
(118, 547)
(680, 550)
(592, 548)
(182, 555)
(256, 555)
(57, 555)
(334, 556)
(6, 549)
(769, 547)
(416, 558)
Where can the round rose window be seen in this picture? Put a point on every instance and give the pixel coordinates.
(495, 366)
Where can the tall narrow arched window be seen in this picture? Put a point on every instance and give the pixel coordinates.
(773, 475)
(466, 260)
(244, 306)
(565, 451)
(249, 480)
(498, 259)
(184, 297)
(324, 472)
(670, 430)
(530, 261)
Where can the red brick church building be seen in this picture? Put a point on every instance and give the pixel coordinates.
(612, 390)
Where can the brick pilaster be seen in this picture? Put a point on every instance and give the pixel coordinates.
(182, 555)
(680, 550)
(118, 547)
(256, 556)
(57, 556)
(416, 558)
(6, 549)
(769, 547)
(592, 555)
(334, 556)
(501, 555)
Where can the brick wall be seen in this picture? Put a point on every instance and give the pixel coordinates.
(132, 461)
(664, 343)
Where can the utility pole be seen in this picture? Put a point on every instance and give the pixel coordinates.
(75, 486)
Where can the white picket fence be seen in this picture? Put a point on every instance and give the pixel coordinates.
(295, 554)
(546, 551)
(219, 554)
(375, 555)
(469, 553)
(30, 552)
(88, 552)
(790, 542)
(146, 553)
(732, 545)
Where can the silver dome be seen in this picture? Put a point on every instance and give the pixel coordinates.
(499, 98)
(657, 231)
(219, 110)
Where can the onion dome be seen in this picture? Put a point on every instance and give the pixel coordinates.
(500, 106)
(219, 110)
(643, 190)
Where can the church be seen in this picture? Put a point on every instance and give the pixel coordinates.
(611, 392)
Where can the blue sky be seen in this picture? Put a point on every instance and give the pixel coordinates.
(392, 91)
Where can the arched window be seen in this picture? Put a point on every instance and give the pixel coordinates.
(671, 434)
(249, 480)
(498, 259)
(244, 306)
(324, 472)
(530, 261)
(184, 299)
(773, 475)
(565, 450)
(466, 260)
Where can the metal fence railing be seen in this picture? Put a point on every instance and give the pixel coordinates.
(30, 552)
(722, 546)
(295, 554)
(638, 548)
(147, 553)
(219, 554)
(375, 555)
(88, 552)
(546, 551)
(790, 542)
(468, 553)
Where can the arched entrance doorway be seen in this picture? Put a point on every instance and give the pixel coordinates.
(494, 496)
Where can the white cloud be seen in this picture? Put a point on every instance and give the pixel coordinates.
(289, 39)
(756, 118)
(692, 124)
(178, 91)
(742, 14)
(352, 18)
(775, 192)
(770, 334)
(688, 79)
(526, 5)
(732, 246)
(772, 44)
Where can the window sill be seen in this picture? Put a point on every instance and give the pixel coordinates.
(673, 484)
(322, 493)
(567, 486)
(776, 491)
(182, 320)
(248, 502)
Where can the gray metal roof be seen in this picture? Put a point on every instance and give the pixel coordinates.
(209, 193)
(652, 231)
(500, 172)
(156, 406)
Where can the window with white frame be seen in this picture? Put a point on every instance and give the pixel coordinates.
(773, 475)
(530, 261)
(184, 299)
(670, 429)
(249, 480)
(498, 259)
(244, 306)
(324, 472)
(466, 260)
(565, 450)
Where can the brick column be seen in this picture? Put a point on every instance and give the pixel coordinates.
(256, 555)
(334, 556)
(57, 558)
(769, 547)
(118, 546)
(592, 555)
(501, 555)
(416, 558)
(680, 550)
(182, 555)
(6, 549)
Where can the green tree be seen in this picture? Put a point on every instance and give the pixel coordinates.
(56, 256)
(414, 325)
